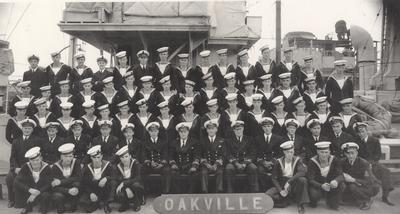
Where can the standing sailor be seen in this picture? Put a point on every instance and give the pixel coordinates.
(101, 74)
(37, 75)
(222, 68)
(245, 71)
(59, 70)
(80, 72)
(121, 69)
(24, 95)
(13, 128)
(307, 72)
(265, 65)
(289, 65)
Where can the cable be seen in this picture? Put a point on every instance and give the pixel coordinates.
(15, 26)
(9, 17)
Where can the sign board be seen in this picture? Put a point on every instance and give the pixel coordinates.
(213, 203)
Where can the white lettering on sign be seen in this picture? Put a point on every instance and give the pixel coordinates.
(193, 204)
(208, 202)
(169, 204)
(182, 205)
(218, 204)
(256, 203)
(227, 205)
(241, 206)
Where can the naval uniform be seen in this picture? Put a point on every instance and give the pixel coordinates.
(13, 129)
(109, 145)
(206, 95)
(121, 122)
(82, 144)
(63, 73)
(218, 73)
(337, 140)
(279, 125)
(96, 127)
(326, 129)
(140, 125)
(311, 149)
(246, 73)
(30, 110)
(88, 125)
(270, 68)
(134, 148)
(78, 74)
(349, 121)
(140, 70)
(302, 130)
(153, 99)
(49, 148)
(41, 122)
(79, 100)
(127, 94)
(101, 98)
(302, 75)
(337, 90)
(64, 130)
(118, 76)
(299, 144)
(309, 99)
(289, 95)
(267, 98)
(56, 102)
(38, 77)
(290, 67)
(98, 78)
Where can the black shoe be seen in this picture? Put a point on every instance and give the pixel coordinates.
(300, 209)
(143, 202)
(366, 205)
(136, 208)
(107, 209)
(11, 204)
(26, 210)
(124, 207)
(313, 204)
(73, 208)
(386, 201)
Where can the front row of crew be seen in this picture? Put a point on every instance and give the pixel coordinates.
(111, 171)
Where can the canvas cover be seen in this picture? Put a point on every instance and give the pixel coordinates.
(165, 9)
(88, 6)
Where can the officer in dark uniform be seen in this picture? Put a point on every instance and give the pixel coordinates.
(314, 125)
(80, 140)
(33, 183)
(240, 156)
(51, 142)
(222, 68)
(19, 147)
(370, 149)
(67, 176)
(37, 75)
(213, 157)
(109, 143)
(98, 182)
(184, 158)
(299, 142)
(339, 137)
(101, 74)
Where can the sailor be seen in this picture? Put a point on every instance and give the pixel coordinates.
(107, 95)
(37, 75)
(141, 119)
(104, 114)
(120, 69)
(167, 122)
(338, 86)
(210, 91)
(311, 94)
(307, 72)
(19, 147)
(267, 148)
(212, 114)
(302, 116)
(86, 94)
(289, 65)
(213, 157)
(360, 189)
(265, 65)
(80, 141)
(370, 150)
(245, 100)
(13, 128)
(292, 125)
(241, 153)
(46, 94)
(63, 96)
(22, 95)
(323, 114)
(66, 119)
(189, 93)
(256, 114)
(325, 177)
(66, 179)
(245, 71)
(184, 159)
(167, 92)
(133, 143)
(203, 68)
(233, 113)
(109, 143)
(98, 182)
(220, 69)
(58, 70)
(88, 118)
(289, 179)
(338, 137)
(165, 68)
(268, 92)
(80, 72)
(42, 117)
(279, 115)
(348, 116)
(155, 152)
(128, 90)
(101, 74)
(143, 68)
(184, 72)
(148, 92)
(33, 183)
(191, 117)
(50, 144)
(288, 92)
(123, 117)
(129, 181)
(230, 82)
(314, 126)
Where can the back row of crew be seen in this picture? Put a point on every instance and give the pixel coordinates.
(337, 87)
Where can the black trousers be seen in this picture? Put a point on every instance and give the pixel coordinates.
(60, 198)
(183, 181)
(298, 191)
(383, 174)
(359, 193)
(165, 172)
(204, 173)
(10, 184)
(250, 170)
(137, 190)
(21, 197)
(105, 195)
(333, 197)
(264, 178)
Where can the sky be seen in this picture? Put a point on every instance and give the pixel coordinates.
(36, 31)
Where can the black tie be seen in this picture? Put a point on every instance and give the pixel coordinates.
(104, 139)
(77, 138)
(267, 139)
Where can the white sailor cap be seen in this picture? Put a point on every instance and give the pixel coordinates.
(277, 99)
(162, 49)
(21, 105)
(52, 125)
(66, 105)
(101, 58)
(190, 82)
(229, 76)
(288, 49)
(298, 100)
(32, 153)
(141, 102)
(79, 55)
(243, 52)
(29, 122)
(164, 79)
(39, 101)
(45, 88)
(103, 107)
(120, 54)
(76, 122)
(163, 104)
(231, 97)
(320, 100)
(307, 58)
(346, 101)
(183, 55)
(95, 150)
(264, 47)
(323, 145)
(285, 75)
(313, 122)
(205, 53)
(88, 104)
(340, 62)
(122, 151)
(66, 148)
(24, 84)
(86, 80)
(152, 125)
(349, 145)
(105, 123)
(128, 74)
(256, 97)
(237, 123)
(32, 57)
(335, 118)
(222, 51)
(128, 125)
(187, 102)
(212, 102)
(123, 103)
(55, 53)
(267, 120)
(209, 123)
(142, 52)
(108, 80)
(183, 125)
(248, 82)
(287, 145)
(358, 124)
(292, 121)
(309, 79)
(266, 76)
(146, 79)
(207, 76)
(63, 82)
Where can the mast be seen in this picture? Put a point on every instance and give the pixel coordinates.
(278, 32)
